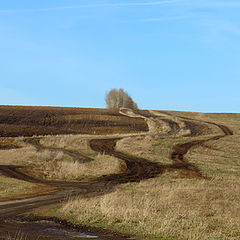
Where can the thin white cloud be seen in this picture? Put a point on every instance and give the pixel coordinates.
(220, 27)
(163, 19)
(192, 11)
(212, 4)
(129, 4)
(226, 4)
(208, 4)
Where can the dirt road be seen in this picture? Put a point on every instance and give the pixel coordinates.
(137, 169)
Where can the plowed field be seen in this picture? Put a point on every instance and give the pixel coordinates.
(152, 127)
(28, 121)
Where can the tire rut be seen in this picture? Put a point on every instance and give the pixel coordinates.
(180, 150)
(137, 169)
(77, 156)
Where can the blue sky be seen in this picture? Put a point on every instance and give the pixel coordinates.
(169, 54)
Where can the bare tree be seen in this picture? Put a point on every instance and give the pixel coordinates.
(117, 98)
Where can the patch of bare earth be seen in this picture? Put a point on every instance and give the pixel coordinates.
(177, 204)
(178, 181)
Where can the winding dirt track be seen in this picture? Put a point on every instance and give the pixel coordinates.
(180, 150)
(137, 170)
(77, 156)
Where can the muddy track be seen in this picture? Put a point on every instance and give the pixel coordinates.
(77, 156)
(174, 126)
(137, 170)
(180, 150)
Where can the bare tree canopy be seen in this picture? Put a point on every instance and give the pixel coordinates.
(117, 98)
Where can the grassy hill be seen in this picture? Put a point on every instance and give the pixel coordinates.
(150, 174)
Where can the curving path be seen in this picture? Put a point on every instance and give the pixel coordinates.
(137, 170)
(180, 150)
(77, 156)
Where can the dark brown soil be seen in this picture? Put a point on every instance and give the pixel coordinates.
(28, 121)
(179, 150)
(137, 170)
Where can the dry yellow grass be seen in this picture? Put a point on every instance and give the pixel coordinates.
(218, 158)
(229, 119)
(65, 168)
(69, 170)
(166, 207)
(20, 156)
(18, 236)
(169, 207)
(54, 164)
(8, 143)
(156, 149)
(13, 189)
(78, 143)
